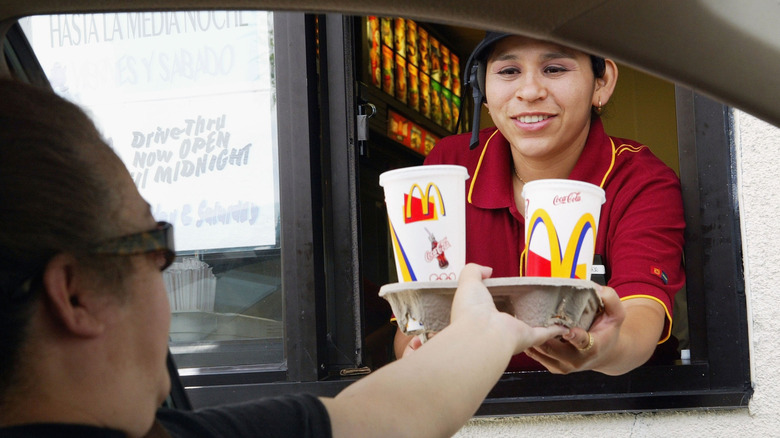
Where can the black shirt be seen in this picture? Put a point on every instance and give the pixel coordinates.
(45, 430)
(287, 416)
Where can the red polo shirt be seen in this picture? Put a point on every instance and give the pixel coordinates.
(640, 233)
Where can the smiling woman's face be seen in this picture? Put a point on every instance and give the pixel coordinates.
(540, 95)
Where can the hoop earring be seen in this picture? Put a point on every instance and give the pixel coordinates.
(598, 108)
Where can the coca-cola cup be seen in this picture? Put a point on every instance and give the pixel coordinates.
(426, 212)
(561, 222)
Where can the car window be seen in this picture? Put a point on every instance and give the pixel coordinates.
(261, 137)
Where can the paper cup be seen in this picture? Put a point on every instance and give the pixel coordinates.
(426, 211)
(561, 221)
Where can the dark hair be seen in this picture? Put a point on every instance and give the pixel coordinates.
(57, 194)
(599, 66)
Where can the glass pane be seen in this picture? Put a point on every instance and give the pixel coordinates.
(187, 100)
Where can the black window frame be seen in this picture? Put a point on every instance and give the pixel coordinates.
(321, 269)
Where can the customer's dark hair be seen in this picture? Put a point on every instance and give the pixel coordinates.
(57, 195)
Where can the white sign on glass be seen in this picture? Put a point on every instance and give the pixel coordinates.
(187, 101)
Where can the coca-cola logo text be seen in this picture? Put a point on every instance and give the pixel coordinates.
(442, 246)
(567, 199)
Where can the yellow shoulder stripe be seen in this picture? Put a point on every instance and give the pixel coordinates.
(630, 148)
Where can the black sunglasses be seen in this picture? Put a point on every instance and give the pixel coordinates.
(159, 239)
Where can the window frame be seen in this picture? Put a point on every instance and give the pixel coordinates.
(321, 252)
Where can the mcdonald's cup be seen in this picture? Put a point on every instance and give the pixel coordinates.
(426, 212)
(561, 222)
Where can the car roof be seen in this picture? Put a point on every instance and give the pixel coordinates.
(721, 48)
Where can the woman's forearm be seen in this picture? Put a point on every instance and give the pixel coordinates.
(639, 336)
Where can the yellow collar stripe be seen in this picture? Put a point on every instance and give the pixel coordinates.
(611, 165)
(479, 164)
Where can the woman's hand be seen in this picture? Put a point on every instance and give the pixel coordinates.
(623, 337)
(414, 343)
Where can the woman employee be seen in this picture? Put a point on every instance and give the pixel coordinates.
(545, 100)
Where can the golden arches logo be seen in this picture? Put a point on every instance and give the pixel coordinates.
(561, 264)
(424, 212)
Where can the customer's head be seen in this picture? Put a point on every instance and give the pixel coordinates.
(65, 198)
